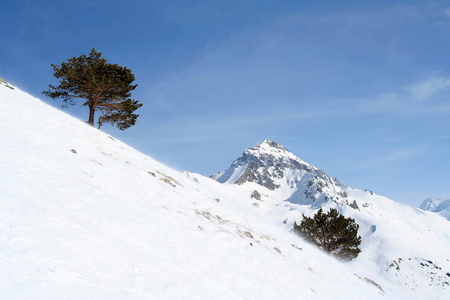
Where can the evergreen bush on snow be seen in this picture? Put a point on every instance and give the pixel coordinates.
(332, 232)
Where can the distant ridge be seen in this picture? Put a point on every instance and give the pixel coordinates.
(439, 206)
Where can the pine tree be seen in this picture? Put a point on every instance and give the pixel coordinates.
(332, 232)
(105, 87)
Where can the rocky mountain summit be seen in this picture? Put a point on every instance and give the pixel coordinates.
(273, 166)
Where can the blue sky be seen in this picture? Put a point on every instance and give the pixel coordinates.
(360, 89)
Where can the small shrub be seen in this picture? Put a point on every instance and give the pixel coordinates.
(332, 232)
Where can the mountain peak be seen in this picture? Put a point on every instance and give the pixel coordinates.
(430, 203)
(270, 144)
(271, 165)
(271, 151)
(264, 164)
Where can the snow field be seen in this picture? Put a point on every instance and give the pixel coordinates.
(84, 216)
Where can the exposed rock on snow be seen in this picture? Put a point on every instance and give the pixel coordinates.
(5, 84)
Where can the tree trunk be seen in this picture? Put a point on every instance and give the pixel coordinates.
(91, 115)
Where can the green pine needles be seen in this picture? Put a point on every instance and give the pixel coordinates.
(105, 87)
(332, 232)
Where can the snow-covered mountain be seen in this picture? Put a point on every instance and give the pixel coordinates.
(399, 241)
(271, 165)
(84, 216)
(433, 204)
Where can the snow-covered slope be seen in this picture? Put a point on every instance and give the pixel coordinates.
(84, 216)
(399, 243)
(441, 207)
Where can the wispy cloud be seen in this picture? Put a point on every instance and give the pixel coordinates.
(427, 88)
(417, 98)
(401, 139)
(388, 102)
(183, 139)
(390, 158)
(210, 129)
(447, 11)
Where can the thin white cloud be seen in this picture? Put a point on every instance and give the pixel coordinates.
(384, 103)
(447, 11)
(429, 87)
(183, 139)
(414, 99)
(390, 158)
(401, 139)
(429, 109)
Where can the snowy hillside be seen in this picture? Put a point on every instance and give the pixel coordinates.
(84, 216)
(400, 243)
(441, 207)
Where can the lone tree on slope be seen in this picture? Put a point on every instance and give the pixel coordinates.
(105, 87)
(332, 232)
